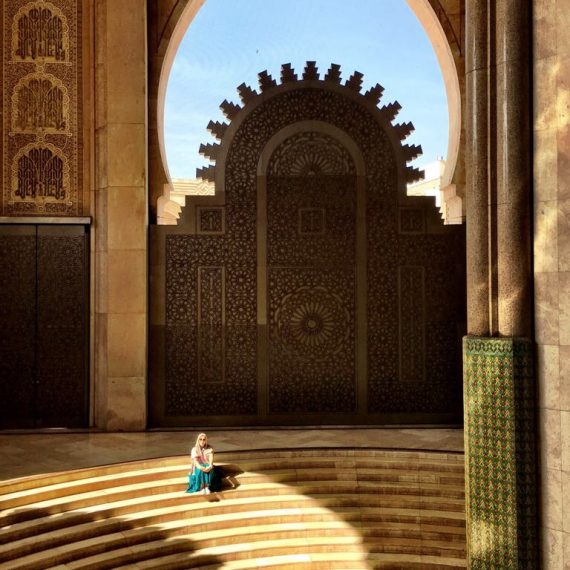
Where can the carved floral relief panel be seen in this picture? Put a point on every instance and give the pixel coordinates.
(42, 90)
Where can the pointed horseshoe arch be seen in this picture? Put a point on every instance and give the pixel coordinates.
(432, 17)
(307, 283)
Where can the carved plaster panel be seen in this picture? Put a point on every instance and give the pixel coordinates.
(40, 104)
(42, 91)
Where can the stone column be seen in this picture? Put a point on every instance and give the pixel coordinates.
(514, 143)
(120, 215)
(477, 162)
(498, 353)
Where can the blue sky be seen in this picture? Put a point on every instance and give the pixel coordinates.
(231, 41)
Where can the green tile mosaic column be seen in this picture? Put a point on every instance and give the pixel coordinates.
(500, 459)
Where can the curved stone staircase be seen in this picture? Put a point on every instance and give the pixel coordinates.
(304, 508)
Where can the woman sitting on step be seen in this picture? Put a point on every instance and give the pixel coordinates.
(204, 476)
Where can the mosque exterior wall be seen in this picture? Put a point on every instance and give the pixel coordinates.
(104, 175)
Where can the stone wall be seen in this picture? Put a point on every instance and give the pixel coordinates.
(552, 270)
(120, 197)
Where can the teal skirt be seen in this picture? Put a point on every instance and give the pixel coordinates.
(199, 480)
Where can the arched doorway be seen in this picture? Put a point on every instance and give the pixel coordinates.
(443, 29)
(310, 289)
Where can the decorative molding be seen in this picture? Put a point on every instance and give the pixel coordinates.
(210, 220)
(46, 220)
(411, 297)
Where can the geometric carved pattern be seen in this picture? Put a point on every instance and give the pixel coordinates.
(411, 221)
(311, 340)
(500, 452)
(17, 334)
(39, 173)
(210, 314)
(396, 345)
(40, 32)
(210, 324)
(211, 220)
(310, 233)
(310, 154)
(43, 338)
(412, 323)
(310, 160)
(311, 284)
(40, 103)
(311, 323)
(41, 59)
(62, 330)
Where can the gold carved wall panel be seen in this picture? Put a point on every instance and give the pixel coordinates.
(40, 174)
(40, 104)
(40, 32)
(42, 131)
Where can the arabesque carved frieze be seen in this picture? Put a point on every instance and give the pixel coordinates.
(40, 174)
(40, 104)
(42, 165)
(40, 32)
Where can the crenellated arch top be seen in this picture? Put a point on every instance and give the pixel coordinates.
(250, 100)
(441, 23)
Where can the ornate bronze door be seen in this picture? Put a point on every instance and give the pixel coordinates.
(44, 288)
(310, 289)
(311, 277)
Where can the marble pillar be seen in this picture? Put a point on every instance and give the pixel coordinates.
(514, 143)
(499, 392)
(477, 162)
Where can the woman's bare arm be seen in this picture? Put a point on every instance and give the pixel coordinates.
(210, 458)
(196, 464)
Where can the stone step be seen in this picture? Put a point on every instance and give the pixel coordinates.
(171, 520)
(287, 509)
(56, 529)
(125, 502)
(336, 470)
(387, 461)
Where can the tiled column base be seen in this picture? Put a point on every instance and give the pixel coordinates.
(500, 460)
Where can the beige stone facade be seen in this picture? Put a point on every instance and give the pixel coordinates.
(551, 133)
